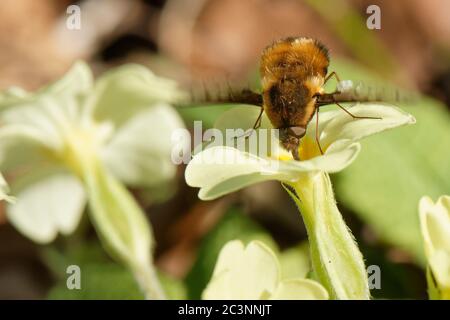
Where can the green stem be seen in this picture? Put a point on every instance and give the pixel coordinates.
(336, 259)
(148, 281)
(122, 226)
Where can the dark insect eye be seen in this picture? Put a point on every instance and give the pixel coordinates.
(297, 132)
(325, 71)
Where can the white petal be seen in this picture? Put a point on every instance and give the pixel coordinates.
(440, 265)
(21, 149)
(12, 96)
(3, 190)
(139, 153)
(221, 170)
(42, 120)
(338, 124)
(435, 227)
(338, 156)
(76, 81)
(300, 289)
(243, 273)
(47, 206)
(121, 93)
(435, 223)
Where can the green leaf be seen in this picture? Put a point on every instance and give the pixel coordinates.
(100, 281)
(394, 170)
(173, 288)
(350, 27)
(208, 115)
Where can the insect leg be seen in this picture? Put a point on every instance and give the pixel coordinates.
(352, 115)
(256, 125)
(258, 120)
(317, 131)
(330, 75)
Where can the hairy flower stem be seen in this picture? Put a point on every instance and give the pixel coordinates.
(148, 281)
(336, 259)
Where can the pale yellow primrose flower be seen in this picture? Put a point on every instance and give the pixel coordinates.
(335, 257)
(75, 141)
(119, 119)
(252, 272)
(435, 227)
(339, 135)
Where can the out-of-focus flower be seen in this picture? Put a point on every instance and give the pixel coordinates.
(336, 259)
(435, 226)
(4, 190)
(75, 140)
(252, 272)
(121, 119)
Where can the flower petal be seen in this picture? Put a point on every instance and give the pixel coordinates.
(121, 93)
(139, 154)
(338, 124)
(435, 227)
(440, 266)
(338, 156)
(43, 121)
(435, 223)
(3, 190)
(250, 272)
(221, 170)
(21, 151)
(77, 80)
(47, 206)
(299, 289)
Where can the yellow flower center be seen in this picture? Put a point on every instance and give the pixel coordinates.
(81, 146)
(309, 148)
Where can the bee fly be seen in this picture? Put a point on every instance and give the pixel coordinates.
(293, 72)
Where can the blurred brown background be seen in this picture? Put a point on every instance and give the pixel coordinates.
(191, 40)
